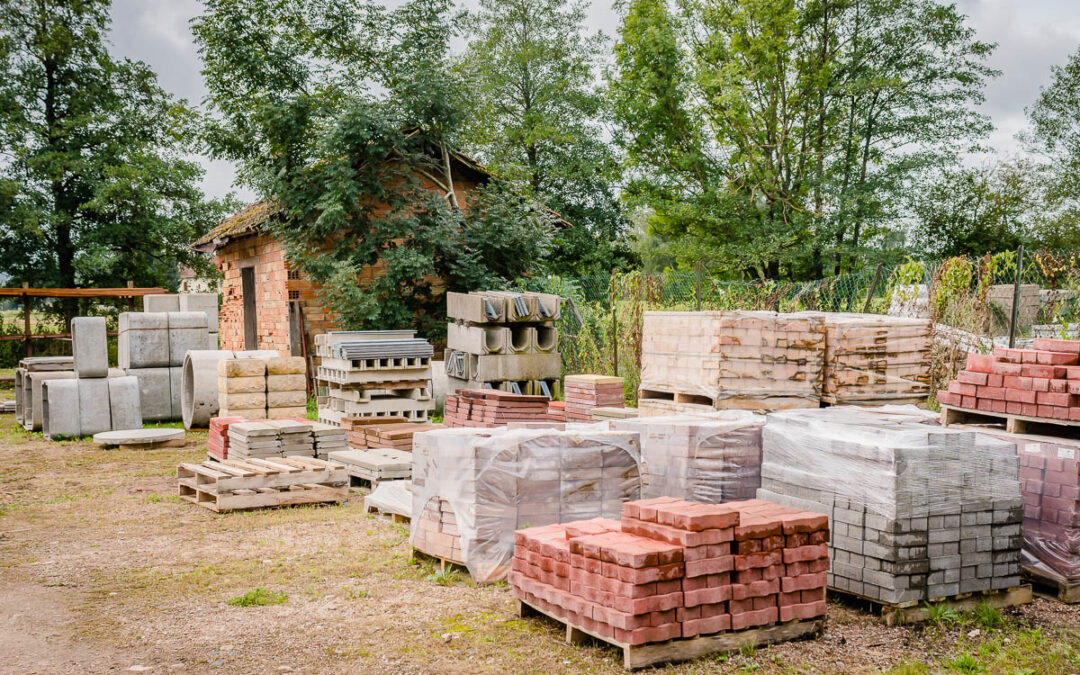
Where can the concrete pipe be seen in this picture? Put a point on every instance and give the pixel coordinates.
(199, 386)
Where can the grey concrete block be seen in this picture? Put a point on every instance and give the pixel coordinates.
(187, 331)
(32, 420)
(124, 403)
(89, 345)
(207, 303)
(168, 302)
(143, 340)
(212, 342)
(94, 413)
(155, 393)
(60, 408)
(176, 386)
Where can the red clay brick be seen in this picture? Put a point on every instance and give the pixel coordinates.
(758, 618)
(697, 517)
(1003, 368)
(707, 596)
(651, 634)
(755, 589)
(713, 624)
(804, 553)
(803, 612)
(969, 377)
(745, 562)
(803, 582)
(1056, 358)
(1057, 345)
(697, 568)
(995, 380)
(655, 603)
(980, 363)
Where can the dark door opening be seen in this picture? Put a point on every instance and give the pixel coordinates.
(251, 322)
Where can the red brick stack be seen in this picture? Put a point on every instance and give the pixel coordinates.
(585, 392)
(492, 408)
(217, 440)
(1039, 382)
(676, 569)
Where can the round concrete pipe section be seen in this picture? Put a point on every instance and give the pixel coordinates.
(199, 386)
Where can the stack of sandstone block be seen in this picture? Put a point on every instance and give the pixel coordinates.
(1039, 382)
(917, 511)
(583, 393)
(374, 374)
(503, 340)
(286, 387)
(29, 375)
(217, 439)
(711, 459)
(151, 346)
(262, 387)
(490, 408)
(873, 357)
(494, 481)
(675, 569)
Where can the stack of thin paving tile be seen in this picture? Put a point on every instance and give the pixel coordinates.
(617, 413)
(495, 481)
(492, 408)
(747, 360)
(217, 440)
(373, 374)
(294, 437)
(375, 464)
(918, 511)
(396, 436)
(874, 357)
(557, 411)
(355, 428)
(327, 438)
(674, 569)
(253, 439)
(583, 393)
(711, 459)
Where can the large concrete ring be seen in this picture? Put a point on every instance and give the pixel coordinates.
(199, 386)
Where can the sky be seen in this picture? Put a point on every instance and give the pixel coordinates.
(1032, 36)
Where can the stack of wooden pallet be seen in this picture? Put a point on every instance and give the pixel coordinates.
(233, 484)
(583, 393)
(373, 374)
(497, 480)
(217, 440)
(492, 408)
(876, 358)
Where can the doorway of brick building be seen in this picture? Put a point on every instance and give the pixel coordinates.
(251, 322)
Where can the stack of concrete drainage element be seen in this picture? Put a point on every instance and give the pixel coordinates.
(374, 374)
(473, 487)
(29, 376)
(207, 303)
(152, 346)
(918, 512)
(262, 388)
(711, 458)
(93, 402)
(503, 340)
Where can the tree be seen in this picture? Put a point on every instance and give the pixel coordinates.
(776, 138)
(95, 189)
(536, 118)
(345, 113)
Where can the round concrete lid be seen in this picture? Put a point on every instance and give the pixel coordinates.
(136, 436)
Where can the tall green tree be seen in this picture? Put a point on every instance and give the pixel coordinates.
(95, 185)
(776, 139)
(345, 114)
(536, 117)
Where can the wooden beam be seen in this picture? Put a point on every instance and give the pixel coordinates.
(81, 292)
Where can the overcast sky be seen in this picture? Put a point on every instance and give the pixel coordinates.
(1032, 35)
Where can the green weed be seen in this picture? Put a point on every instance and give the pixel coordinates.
(965, 663)
(258, 597)
(444, 577)
(989, 617)
(940, 614)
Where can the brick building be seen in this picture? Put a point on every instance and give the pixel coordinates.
(267, 305)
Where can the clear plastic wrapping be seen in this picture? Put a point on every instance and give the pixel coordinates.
(874, 357)
(710, 458)
(473, 487)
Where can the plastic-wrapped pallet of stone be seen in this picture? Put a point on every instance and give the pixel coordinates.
(747, 360)
(473, 487)
(917, 511)
(871, 357)
(711, 458)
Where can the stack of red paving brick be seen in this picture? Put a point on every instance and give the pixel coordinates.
(676, 569)
(585, 392)
(492, 408)
(1039, 382)
(557, 411)
(217, 441)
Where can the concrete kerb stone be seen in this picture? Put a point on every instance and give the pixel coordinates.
(89, 345)
(143, 340)
(124, 403)
(187, 331)
(166, 302)
(95, 415)
(60, 408)
(199, 386)
(32, 415)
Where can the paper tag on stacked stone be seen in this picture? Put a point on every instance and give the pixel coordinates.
(294, 438)
(217, 439)
(355, 428)
(748, 360)
(375, 464)
(583, 393)
(497, 480)
(253, 439)
(876, 358)
(917, 512)
(503, 340)
(242, 388)
(711, 459)
(286, 387)
(492, 408)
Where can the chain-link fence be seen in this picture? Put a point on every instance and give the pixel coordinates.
(970, 300)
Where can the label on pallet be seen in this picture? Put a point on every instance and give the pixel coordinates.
(1066, 453)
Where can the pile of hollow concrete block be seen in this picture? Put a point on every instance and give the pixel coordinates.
(151, 346)
(29, 376)
(503, 340)
(918, 511)
(93, 401)
(207, 303)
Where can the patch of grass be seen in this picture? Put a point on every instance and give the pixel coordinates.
(940, 614)
(447, 576)
(748, 650)
(965, 663)
(159, 499)
(258, 597)
(989, 617)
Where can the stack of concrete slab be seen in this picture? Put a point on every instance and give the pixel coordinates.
(152, 346)
(712, 459)
(286, 387)
(29, 375)
(375, 464)
(583, 393)
(253, 439)
(746, 360)
(373, 374)
(875, 358)
(503, 340)
(918, 512)
(206, 303)
(494, 481)
(493, 408)
(294, 437)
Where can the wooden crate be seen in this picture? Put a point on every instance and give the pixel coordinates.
(232, 485)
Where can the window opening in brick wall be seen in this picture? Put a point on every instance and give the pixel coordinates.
(294, 275)
(294, 295)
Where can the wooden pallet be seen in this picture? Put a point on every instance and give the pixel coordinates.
(1063, 589)
(443, 563)
(873, 402)
(235, 484)
(685, 649)
(392, 515)
(1014, 424)
(914, 611)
